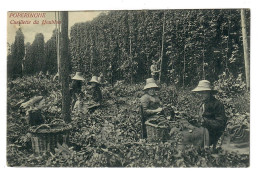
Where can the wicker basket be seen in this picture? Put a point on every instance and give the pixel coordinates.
(157, 130)
(46, 136)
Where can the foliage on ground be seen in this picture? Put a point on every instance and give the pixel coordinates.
(110, 136)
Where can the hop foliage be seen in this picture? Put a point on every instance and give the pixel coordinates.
(110, 136)
(197, 44)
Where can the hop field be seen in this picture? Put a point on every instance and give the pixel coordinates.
(110, 136)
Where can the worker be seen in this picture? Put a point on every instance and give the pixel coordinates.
(154, 69)
(76, 87)
(212, 113)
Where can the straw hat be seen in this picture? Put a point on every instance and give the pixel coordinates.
(150, 83)
(78, 76)
(94, 79)
(204, 85)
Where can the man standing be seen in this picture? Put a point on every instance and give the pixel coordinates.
(154, 69)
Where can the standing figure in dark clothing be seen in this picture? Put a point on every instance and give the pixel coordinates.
(101, 78)
(154, 69)
(75, 89)
(96, 95)
(211, 112)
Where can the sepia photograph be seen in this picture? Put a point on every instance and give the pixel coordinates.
(128, 88)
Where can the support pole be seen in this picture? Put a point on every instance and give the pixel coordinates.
(245, 46)
(57, 28)
(160, 73)
(64, 69)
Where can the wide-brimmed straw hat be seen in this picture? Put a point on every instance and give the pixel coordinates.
(78, 76)
(204, 85)
(94, 79)
(150, 83)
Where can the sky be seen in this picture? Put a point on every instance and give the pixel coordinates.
(30, 30)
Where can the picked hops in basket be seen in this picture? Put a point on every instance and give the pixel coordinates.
(46, 137)
(157, 130)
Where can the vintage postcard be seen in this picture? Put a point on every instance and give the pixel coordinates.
(128, 88)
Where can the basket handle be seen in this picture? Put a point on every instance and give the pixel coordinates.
(41, 126)
(160, 116)
(58, 121)
(162, 122)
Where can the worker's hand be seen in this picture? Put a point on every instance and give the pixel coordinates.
(202, 121)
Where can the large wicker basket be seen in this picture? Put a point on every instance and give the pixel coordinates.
(157, 130)
(46, 136)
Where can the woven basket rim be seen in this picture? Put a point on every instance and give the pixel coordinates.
(154, 125)
(51, 130)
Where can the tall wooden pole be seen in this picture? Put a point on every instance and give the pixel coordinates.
(131, 59)
(57, 28)
(246, 52)
(56, 39)
(64, 69)
(160, 73)
(203, 59)
(130, 48)
(184, 60)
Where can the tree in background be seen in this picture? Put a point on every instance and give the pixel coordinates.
(29, 62)
(16, 55)
(39, 53)
(35, 59)
(9, 60)
(194, 44)
(51, 54)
